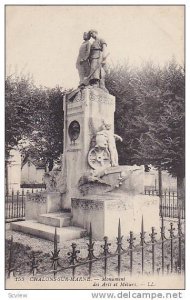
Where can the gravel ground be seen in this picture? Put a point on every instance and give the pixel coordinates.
(25, 245)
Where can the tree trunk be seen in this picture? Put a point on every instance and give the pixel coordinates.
(181, 191)
(160, 183)
(6, 177)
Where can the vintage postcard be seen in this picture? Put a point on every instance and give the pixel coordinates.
(95, 147)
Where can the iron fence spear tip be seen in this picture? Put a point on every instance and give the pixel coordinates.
(90, 233)
(119, 229)
(162, 217)
(142, 225)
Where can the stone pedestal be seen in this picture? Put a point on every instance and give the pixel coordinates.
(84, 115)
(104, 212)
(126, 202)
(41, 203)
(43, 214)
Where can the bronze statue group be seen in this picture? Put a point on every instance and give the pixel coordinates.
(91, 61)
(91, 65)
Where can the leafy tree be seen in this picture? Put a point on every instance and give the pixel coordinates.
(17, 113)
(33, 119)
(160, 96)
(150, 115)
(119, 84)
(46, 141)
(18, 104)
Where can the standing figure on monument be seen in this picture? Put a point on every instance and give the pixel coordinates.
(82, 63)
(101, 138)
(105, 139)
(111, 137)
(97, 60)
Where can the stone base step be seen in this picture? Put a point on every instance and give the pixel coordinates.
(58, 219)
(47, 232)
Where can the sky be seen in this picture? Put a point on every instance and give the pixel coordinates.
(44, 40)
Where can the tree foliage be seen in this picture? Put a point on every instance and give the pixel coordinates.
(17, 109)
(34, 119)
(46, 140)
(150, 115)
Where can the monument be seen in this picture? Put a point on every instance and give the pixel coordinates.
(98, 189)
(92, 188)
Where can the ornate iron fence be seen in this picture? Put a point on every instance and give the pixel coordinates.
(15, 204)
(169, 205)
(127, 256)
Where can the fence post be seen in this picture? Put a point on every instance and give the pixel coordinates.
(153, 240)
(163, 239)
(17, 205)
(73, 257)
(10, 267)
(176, 266)
(169, 204)
(119, 248)
(168, 268)
(12, 202)
(142, 237)
(171, 231)
(6, 205)
(106, 252)
(174, 205)
(22, 204)
(131, 244)
(179, 241)
(55, 254)
(90, 251)
(34, 265)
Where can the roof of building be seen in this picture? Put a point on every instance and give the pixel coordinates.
(39, 164)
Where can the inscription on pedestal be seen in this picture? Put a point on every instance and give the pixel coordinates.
(115, 205)
(38, 198)
(87, 204)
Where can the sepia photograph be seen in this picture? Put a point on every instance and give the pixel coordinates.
(94, 147)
